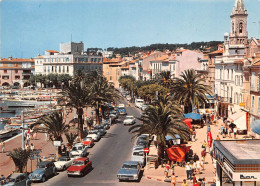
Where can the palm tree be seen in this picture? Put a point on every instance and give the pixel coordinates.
(101, 93)
(77, 95)
(164, 78)
(20, 158)
(163, 117)
(70, 138)
(190, 90)
(53, 124)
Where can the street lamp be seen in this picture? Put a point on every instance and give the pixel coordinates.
(22, 117)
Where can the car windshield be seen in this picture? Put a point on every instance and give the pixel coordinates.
(78, 163)
(41, 166)
(127, 166)
(63, 159)
(80, 148)
(87, 139)
(129, 117)
(138, 153)
(11, 180)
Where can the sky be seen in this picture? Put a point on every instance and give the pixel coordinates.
(29, 27)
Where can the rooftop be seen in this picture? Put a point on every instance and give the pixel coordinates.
(16, 60)
(52, 51)
(240, 151)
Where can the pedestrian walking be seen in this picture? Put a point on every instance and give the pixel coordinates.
(167, 168)
(235, 132)
(218, 138)
(184, 183)
(194, 179)
(198, 166)
(203, 155)
(173, 179)
(195, 157)
(2, 179)
(35, 135)
(229, 132)
(196, 183)
(188, 171)
(3, 146)
(32, 147)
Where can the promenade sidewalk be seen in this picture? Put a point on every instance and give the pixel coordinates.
(7, 164)
(208, 174)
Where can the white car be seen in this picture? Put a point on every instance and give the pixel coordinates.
(94, 136)
(79, 149)
(63, 163)
(129, 120)
(138, 155)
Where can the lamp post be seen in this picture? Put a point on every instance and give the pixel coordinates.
(22, 117)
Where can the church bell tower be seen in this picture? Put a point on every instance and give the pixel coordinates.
(238, 34)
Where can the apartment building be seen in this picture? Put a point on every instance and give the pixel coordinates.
(68, 60)
(16, 72)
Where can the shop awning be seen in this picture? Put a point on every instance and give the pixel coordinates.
(239, 119)
(192, 115)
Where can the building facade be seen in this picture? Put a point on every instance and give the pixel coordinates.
(70, 59)
(16, 72)
(229, 66)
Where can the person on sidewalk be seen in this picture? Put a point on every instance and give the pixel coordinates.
(203, 155)
(32, 147)
(194, 179)
(167, 168)
(198, 166)
(196, 183)
(173, 179)
(218, 138)
(188, 171)
(195, 157)
(235, 132)
(184, 183)
(3, 146)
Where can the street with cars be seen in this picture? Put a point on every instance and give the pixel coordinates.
(106, 156)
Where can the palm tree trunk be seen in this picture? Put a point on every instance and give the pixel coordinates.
(160, 152)
(80, 122)
(97, 116)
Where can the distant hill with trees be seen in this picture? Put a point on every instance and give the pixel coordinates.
(125, 51)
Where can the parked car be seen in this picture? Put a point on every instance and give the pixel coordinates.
(114, 112)
(130, 171)
(138, 155)
(63, 163)
(142, 143)
(88, 141)
(79, 167)
(100, 129)
(79, 149)
(129, 120)
(95, 136)
(144, 107)
(138, 147)
(106, 126)
(143, 138)
(18, 179)
(44, 170)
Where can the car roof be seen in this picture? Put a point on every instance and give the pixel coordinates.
(131, 162)
(129, 116)
(81, 159)
(78, 144)
(64, 157)
(15, 175)
(44, 162)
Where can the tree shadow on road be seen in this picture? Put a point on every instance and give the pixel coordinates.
(109, 135)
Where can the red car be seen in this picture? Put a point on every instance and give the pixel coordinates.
(79, 167)
(88, 141)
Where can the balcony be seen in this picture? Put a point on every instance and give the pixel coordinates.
(225, 99)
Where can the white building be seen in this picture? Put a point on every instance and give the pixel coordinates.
(70, 59)
(229, 67)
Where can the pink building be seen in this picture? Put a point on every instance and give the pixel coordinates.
(188, 59)
(17, 72)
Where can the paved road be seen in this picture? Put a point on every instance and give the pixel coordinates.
(107, 156)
